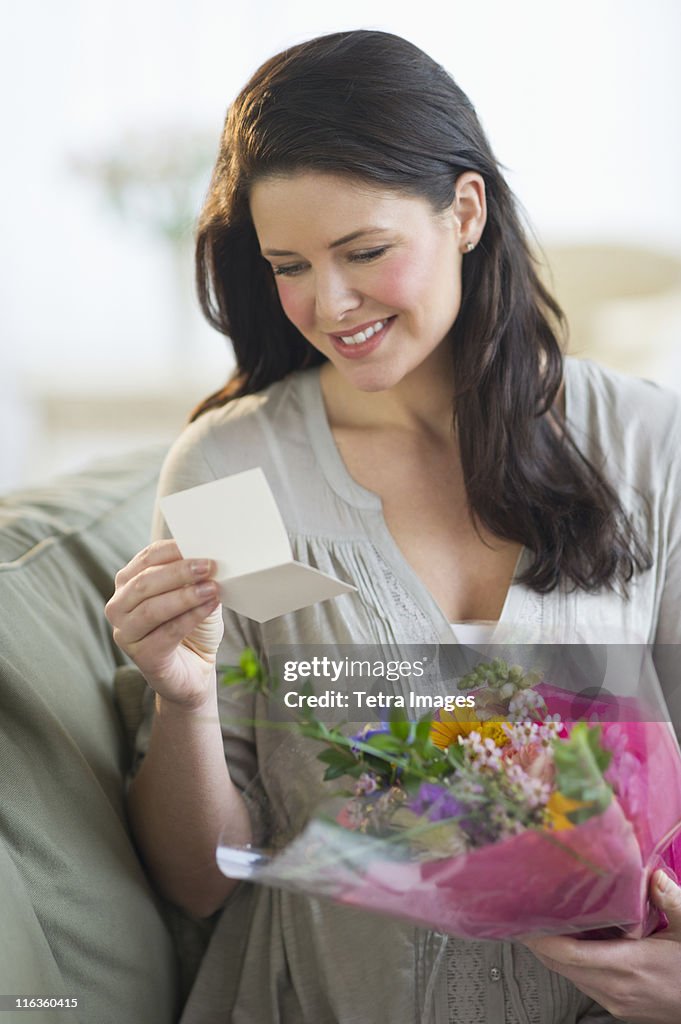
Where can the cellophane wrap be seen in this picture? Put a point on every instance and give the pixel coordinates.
(591, 879)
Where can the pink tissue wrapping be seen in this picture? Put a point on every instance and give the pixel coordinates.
(525, 884)
(592, 877)
(645, 772)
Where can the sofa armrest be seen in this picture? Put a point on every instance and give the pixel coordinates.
(64, 837)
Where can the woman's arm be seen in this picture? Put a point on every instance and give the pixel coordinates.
(180, 802)
(166, 616)
(639, 981)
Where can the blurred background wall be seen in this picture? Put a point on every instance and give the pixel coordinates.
(112, 112)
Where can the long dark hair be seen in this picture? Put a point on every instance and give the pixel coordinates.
(373, 107)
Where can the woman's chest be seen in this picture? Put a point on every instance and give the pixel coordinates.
(467, 571)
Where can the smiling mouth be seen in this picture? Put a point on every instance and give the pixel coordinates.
(364, 335)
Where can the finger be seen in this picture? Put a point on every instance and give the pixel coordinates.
(583, 979)
(150, 652)
(666, 895)
(205, 639)
(580, 954)
(161, 578)
(589, 981)
(156, 611)
(560, 948)
(156, 553)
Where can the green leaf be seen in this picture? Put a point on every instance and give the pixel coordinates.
(580, 763)
(251, 667)
(334, 772)
(385, 741)
(315, 730)
(400, 726)
(306, 688)
(455, 754)
(231, 675)
(249, 672)
(337, 757)
(422, 732)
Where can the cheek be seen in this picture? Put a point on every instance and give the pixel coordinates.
(410, 280)
(427, 281)
(396, 283)
(295, 304)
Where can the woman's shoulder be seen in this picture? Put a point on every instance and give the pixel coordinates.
(246, 412)
(234, 436)
(615, 412)
(601, 384)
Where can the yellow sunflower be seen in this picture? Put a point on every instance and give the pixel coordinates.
(449, 727)
(558, 807)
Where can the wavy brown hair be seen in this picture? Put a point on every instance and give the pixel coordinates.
(373, 107)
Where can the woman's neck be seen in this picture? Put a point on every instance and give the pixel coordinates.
(421, 402)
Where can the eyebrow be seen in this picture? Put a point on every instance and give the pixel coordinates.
(334, 245)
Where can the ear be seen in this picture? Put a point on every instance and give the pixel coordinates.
(470, 209)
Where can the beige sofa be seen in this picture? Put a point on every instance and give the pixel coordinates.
(78, 918)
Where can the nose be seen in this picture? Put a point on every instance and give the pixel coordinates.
(334, 296)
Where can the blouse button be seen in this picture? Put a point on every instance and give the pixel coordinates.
(494, 974)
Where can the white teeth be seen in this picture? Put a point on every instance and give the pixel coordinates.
(357, 339)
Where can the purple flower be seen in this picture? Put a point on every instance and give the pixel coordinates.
(366, 733)
(436, 802)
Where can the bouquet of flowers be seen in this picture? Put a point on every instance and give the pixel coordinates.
(493, 823)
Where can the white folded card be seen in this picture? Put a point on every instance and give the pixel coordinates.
(236, 522)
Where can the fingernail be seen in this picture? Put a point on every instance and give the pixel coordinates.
(662, 881)
(200, 567)
(205, 589)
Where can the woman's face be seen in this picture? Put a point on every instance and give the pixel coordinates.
(370, 277)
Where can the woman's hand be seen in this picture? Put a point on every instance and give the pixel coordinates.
(166, 616)
(637, 980)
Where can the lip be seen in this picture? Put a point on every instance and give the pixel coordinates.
(364, 348)
(360, 327)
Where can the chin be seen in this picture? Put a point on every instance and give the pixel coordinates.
(371, 379)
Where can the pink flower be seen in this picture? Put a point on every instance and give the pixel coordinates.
(365, 784)
(535, 759)
(624, 771)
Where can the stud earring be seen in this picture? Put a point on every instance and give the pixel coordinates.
(470, 246)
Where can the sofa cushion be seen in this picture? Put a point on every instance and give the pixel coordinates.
(28, 965)
(66, 849)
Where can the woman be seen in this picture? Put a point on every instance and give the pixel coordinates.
(400, 381)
